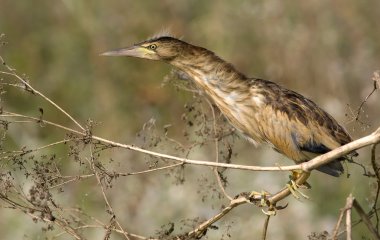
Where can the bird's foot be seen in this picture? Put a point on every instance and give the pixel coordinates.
(263, 195)
(294, 190)
(294, 187)
(296, 175)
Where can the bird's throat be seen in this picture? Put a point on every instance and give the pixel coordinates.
(226, 87)
(212, 74)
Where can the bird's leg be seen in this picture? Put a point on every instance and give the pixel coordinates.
(294, 187)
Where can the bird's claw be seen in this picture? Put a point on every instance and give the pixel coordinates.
(270, 212)
(264, 203)
(294, 190)
(253, 194)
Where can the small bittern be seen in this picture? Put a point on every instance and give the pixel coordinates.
(262, 111)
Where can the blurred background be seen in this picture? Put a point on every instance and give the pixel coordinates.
(325, 50)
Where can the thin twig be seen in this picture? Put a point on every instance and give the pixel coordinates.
(151, 170)
(14, 74)
(110, 209)
(102, 225)
(73, 178)
(340, 219)
(364, 101)
(202, 227)
(349, 203)
(216, 140)
(376, 80)
(265, 228)
(31, 210)
(376, 169)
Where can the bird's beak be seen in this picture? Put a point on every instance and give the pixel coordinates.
(134, 51)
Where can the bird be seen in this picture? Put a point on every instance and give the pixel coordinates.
(261, 111)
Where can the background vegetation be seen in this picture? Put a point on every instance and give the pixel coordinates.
(326, 50)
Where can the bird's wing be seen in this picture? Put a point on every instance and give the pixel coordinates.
(295, 125)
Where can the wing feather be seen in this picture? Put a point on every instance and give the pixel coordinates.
(297, 127)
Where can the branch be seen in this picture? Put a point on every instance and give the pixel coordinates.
(351, 202)
(216, 142)
(377, 174)
(316, 162)
(326, 158)
(306, 166)
(376, 84)
(200, 230)
(265, 229)
(365, 219)
(28, 87)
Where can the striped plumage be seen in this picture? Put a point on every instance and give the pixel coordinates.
(261, 110)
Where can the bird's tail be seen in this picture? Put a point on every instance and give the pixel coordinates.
(333, 168)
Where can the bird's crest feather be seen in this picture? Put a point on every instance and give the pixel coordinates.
(165, 32)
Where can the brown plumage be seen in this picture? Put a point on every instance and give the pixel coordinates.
(261, 110)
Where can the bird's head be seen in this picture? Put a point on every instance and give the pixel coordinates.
(163, 48)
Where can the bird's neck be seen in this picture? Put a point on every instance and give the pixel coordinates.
(211, 74)
(229, 89)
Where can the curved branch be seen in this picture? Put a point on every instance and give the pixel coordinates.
(199, 231)
(306, 166)
(31, 89)
(316, 162)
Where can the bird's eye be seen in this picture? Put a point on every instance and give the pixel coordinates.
(152, 47)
